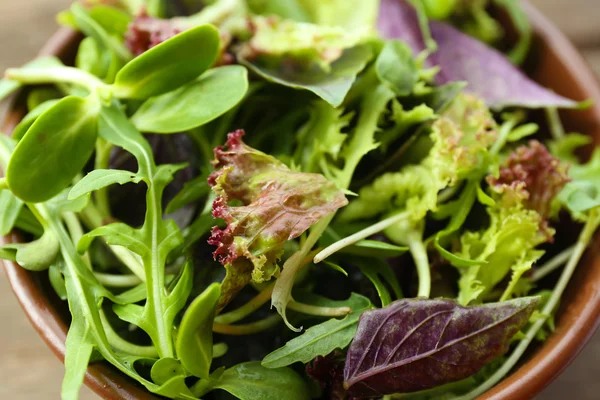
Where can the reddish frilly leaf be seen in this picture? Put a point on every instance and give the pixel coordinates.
(532, 175)
(278, 205)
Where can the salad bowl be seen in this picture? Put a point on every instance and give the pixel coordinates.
(554, 63)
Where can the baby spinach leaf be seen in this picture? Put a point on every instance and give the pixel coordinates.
(38, 255)
(39, 168)
(26, 123)
(321, 339)
(251, 381)
(101, 178)
(397, 68)
(93, 29)
(331, 85)
(11, 206)
(170, 375)
(408, 345)
(169, 65)
(40, 95)
(195, 104)
(93, 58)
(194, 338)
(114, 20)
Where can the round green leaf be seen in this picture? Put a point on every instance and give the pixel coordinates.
(194, 339)
(195, 104)
(54, 150)
(169, 65)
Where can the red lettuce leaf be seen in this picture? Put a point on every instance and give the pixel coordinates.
(416, 344)
(489, 73)
(532, 175)
(146, 32)
(278, 205)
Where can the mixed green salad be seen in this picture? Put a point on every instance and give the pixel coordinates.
(296, 199)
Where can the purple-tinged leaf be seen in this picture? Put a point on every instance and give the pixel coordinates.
(532, 175)
(399, 20)
(489, 73)
(417, 344)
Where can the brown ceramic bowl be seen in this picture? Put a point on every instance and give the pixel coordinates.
(555, 64)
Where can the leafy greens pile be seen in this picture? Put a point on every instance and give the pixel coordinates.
(370, 168)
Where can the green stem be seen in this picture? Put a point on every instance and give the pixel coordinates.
(554, 123)
(308, 309)
(92, 218)
(76, 231)
(257, 302)
(560, 287)
(127, 281)
(419, 254)
(120, 344)
(247, 329)
(358, 236)
(3, 184)
(505, 130)
(103, 151)
(282, 292)
(556, 262)
(39, 76)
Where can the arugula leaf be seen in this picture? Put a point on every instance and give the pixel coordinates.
(321, 339)
(101, 178)
(153, 241)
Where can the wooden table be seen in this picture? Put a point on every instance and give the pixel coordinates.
(28, 370)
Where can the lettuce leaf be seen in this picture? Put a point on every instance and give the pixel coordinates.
(277, 205)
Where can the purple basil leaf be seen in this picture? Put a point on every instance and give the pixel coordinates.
(399, 20)
(417, 344)
(489, 73)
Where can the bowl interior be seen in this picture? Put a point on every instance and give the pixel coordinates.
(555, 64)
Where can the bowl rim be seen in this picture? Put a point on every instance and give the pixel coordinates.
(523, 383)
